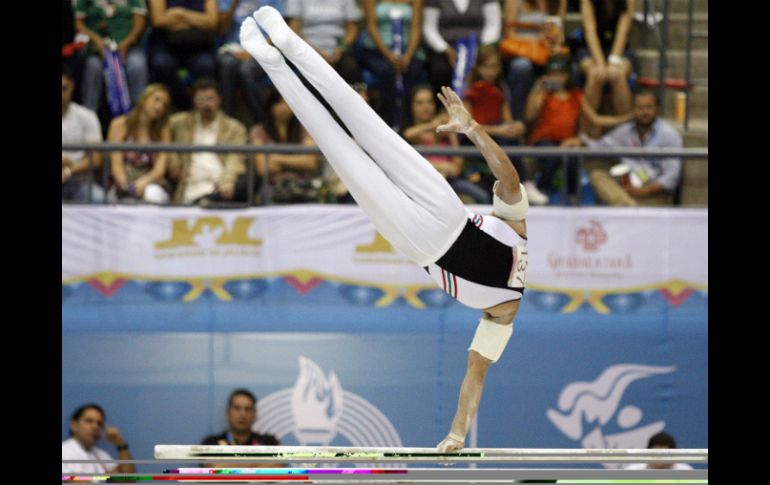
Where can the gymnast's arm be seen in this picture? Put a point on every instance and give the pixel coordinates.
(509, 189)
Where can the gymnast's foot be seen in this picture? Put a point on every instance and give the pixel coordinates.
(451, 444)
(280, 33)
(255, 44)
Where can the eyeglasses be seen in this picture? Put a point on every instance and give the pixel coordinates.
(204, 99)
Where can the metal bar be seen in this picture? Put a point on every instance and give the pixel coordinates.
(407, 475)
(662, 48)
(368, 454)
(580, 176)
(250, 174)
(518, 151)
(564, 181)
(106, 170)
(687, 60)
(90, 176)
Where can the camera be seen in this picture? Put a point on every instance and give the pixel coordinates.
(553, 84)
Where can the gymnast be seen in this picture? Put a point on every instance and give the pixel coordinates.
(480, 261)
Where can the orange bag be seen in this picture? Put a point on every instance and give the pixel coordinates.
(536, 51)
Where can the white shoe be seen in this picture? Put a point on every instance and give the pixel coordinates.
(535, 196)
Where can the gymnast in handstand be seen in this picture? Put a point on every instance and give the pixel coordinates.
(480, 261)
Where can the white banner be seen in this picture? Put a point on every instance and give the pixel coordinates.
(583, 249)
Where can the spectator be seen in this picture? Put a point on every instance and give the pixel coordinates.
(78, 125)
(447, 21)
(652, 180)
(554, 107)
(183, 36)
(291, 176)
(605, 60)
(528, 20)
(331, 28)
(86, 427)
(237, 69)
(422, 131)
(241, 415)
(485, 100)
(377, 55)
(207, 176)
(141, 175)
(123, 22)
(660, 441)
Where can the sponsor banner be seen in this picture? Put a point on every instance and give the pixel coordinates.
(596, 249)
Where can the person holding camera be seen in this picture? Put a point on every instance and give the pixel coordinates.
(554, 107)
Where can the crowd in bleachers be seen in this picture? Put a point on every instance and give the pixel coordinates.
(187, 79)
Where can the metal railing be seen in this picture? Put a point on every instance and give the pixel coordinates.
(250, 150)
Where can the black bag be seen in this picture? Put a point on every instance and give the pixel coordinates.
(191, 39)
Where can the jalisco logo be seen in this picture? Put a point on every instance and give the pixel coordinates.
(378, 251)
(596, 403)
(209, 236)
(318, 412)
(591, 237)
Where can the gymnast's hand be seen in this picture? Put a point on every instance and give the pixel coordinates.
(450, 444)
(460, 121)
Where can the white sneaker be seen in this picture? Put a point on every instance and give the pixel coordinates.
(535, 196)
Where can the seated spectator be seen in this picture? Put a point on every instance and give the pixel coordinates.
(660, 441)
(237, 69)
(486, 102)
(554, 108)
(241, 415)
(183, 36)
(447, 21)
(331, 27)
(376, 53)
(123, 22)
(205, 176)
(141, 175)
(422, 131)
(528, 20)
(78, 125)
(605, 60)
(651, 181)
(86, 427)
(291, 176)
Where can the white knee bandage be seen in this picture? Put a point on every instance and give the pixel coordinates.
(513, 212)
(491, 338)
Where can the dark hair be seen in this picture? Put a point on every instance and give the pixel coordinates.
(205, 83)
(608, 11)
(66, 71)
(408, 118)
(648, 92)
(662, 439)
(241, 392)
(85, 407)
(551, 6)
(486, 52)
(294, 131)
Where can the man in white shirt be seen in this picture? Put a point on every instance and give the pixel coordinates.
(86, 427)
(78, 125)
(660, 441)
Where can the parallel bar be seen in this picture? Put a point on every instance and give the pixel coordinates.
(511, 455)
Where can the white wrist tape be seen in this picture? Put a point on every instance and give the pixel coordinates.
(491, 338)
(513, 212)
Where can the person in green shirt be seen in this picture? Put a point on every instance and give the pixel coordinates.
(123, 21)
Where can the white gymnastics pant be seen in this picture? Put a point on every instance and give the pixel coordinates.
(408, 201)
